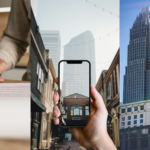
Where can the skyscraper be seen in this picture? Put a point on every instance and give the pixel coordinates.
(81, 47)
(137, 75)
(51, 39)
(34, 5)
(135, 111)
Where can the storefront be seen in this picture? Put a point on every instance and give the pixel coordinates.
(35, 129)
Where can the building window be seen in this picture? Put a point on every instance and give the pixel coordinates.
(141, 120)
(123, 118)
(133, 144)
(141, 115)
(129, 109)
(135, 121)
(109, 90)
(87, 110)
(141, 125)
(144, 131)
(135, 126)
(144, 143)
(142, 107)
(135, 108)
(123, 124)
(129, 117)
(76, 110)
(129, 127)
(123, 110)
(40, 78)
(135, 116)
(129, 122)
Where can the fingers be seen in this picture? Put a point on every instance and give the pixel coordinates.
(56, 121)
(1, 80)
(56, 113)
(3, 66)
(56, 96)
(98, 102)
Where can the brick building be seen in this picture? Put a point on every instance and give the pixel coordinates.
(108, 86)
(77, 107)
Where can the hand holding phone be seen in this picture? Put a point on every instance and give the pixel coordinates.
(94, 135)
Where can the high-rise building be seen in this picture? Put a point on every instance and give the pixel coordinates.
(135, 111)
(81, 47)
(51, 39)
(137, 75)
(34, 5)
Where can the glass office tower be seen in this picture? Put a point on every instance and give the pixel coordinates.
(52, 42)
(81, 47)
(137, 74)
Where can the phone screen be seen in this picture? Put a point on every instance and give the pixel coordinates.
(74, 92)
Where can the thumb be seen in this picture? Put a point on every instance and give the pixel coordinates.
(98, 102)
(3, 66)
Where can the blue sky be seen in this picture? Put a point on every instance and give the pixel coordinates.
(129, 10)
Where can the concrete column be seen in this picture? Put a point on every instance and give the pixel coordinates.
(118, 78)
(48, 131)
(117, 141)
(111, 80)
(105, 94)
(114, 82)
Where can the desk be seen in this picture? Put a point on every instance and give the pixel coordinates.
(11, 144)
(15, 81)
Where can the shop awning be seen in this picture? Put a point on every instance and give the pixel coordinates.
(36, 105)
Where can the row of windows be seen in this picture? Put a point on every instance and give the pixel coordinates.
(76, 110)
(134, 122)
(129, 109)
(129, 117)
(40, 78)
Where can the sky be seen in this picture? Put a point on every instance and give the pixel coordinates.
(129, 10)
(73, 17)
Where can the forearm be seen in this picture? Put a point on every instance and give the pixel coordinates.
(16, 35)
(11, 51)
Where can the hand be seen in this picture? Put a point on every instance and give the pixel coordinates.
(94, 135)
(3, 67)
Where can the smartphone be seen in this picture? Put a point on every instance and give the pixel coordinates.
(74, 81)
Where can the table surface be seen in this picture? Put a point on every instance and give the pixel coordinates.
(15, 81)
(6, 144)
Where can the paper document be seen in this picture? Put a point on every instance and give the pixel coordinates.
(15, 110)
